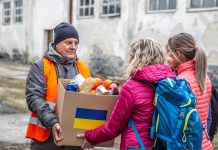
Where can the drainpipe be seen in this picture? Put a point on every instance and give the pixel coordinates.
(70, 13)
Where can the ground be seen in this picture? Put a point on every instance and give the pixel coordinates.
(14, 114)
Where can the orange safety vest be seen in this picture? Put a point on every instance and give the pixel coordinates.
(35, 129)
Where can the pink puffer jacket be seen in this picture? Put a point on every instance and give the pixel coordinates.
(136, 102)
(187, 71)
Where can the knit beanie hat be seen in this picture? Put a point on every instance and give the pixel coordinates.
(64, 31)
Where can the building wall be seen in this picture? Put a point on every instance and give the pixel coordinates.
(47, 14)
(14, 35)
(30, 36)
(203, 25)
(112, 35)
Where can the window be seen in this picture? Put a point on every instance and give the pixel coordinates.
(18, 8)
(6, 12)
(158, 5)
(204, 3)
(86, 8)
(111, 7)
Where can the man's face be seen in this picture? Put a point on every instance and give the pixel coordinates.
(68, 47)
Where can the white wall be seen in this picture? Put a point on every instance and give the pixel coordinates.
(110, 34)
(39, 15)
(114, 35)
(203, 25)
(47, 14)
(14, 35)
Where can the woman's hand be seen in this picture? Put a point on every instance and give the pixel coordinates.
(86, 144)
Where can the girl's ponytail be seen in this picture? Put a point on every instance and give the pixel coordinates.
(185, 43)
(200, 67)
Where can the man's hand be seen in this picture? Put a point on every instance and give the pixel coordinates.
(56, 130)
(86, 144)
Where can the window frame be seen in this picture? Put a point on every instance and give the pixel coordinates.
(108, 5)
(84, 7)
(160, 11)
(189, 9)
(4, 11)
(15, 15)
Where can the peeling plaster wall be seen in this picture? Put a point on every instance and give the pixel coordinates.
(203, 25)
(47, 14)
(30, 36)
(110, 34)
(0, 25)
(114, 35)
(14, 35)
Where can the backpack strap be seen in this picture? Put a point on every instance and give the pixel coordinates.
(154, 126)
(153, 85)
(132, 124)
(179, 122)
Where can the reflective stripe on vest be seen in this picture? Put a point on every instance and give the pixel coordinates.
(36, 121)
(35, 129)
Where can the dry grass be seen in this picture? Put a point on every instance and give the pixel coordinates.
(12, 93)
(215, 142)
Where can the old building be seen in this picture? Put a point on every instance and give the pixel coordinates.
(105, 26)
(121, 22)
(26, 26)
(111, 25)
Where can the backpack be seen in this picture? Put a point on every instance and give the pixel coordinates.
(213, 114)
(176, 124)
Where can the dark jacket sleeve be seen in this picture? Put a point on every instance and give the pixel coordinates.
(35, 95)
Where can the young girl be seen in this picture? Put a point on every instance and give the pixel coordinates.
(190, 63)
(147, 63)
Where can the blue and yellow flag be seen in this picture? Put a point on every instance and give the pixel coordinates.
(89, 118)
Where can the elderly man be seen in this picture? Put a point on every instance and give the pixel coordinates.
(59, 61)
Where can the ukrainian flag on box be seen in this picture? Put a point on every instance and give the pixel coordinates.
(89, 118)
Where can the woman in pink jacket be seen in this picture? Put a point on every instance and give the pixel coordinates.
(147, 63)
(190, 63)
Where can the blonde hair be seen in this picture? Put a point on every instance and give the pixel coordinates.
(185, 43)
(144, 52)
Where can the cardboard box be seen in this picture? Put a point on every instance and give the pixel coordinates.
(73, 109)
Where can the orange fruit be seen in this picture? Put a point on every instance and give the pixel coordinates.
(107, 83)
(92, 92)
(98, 82)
